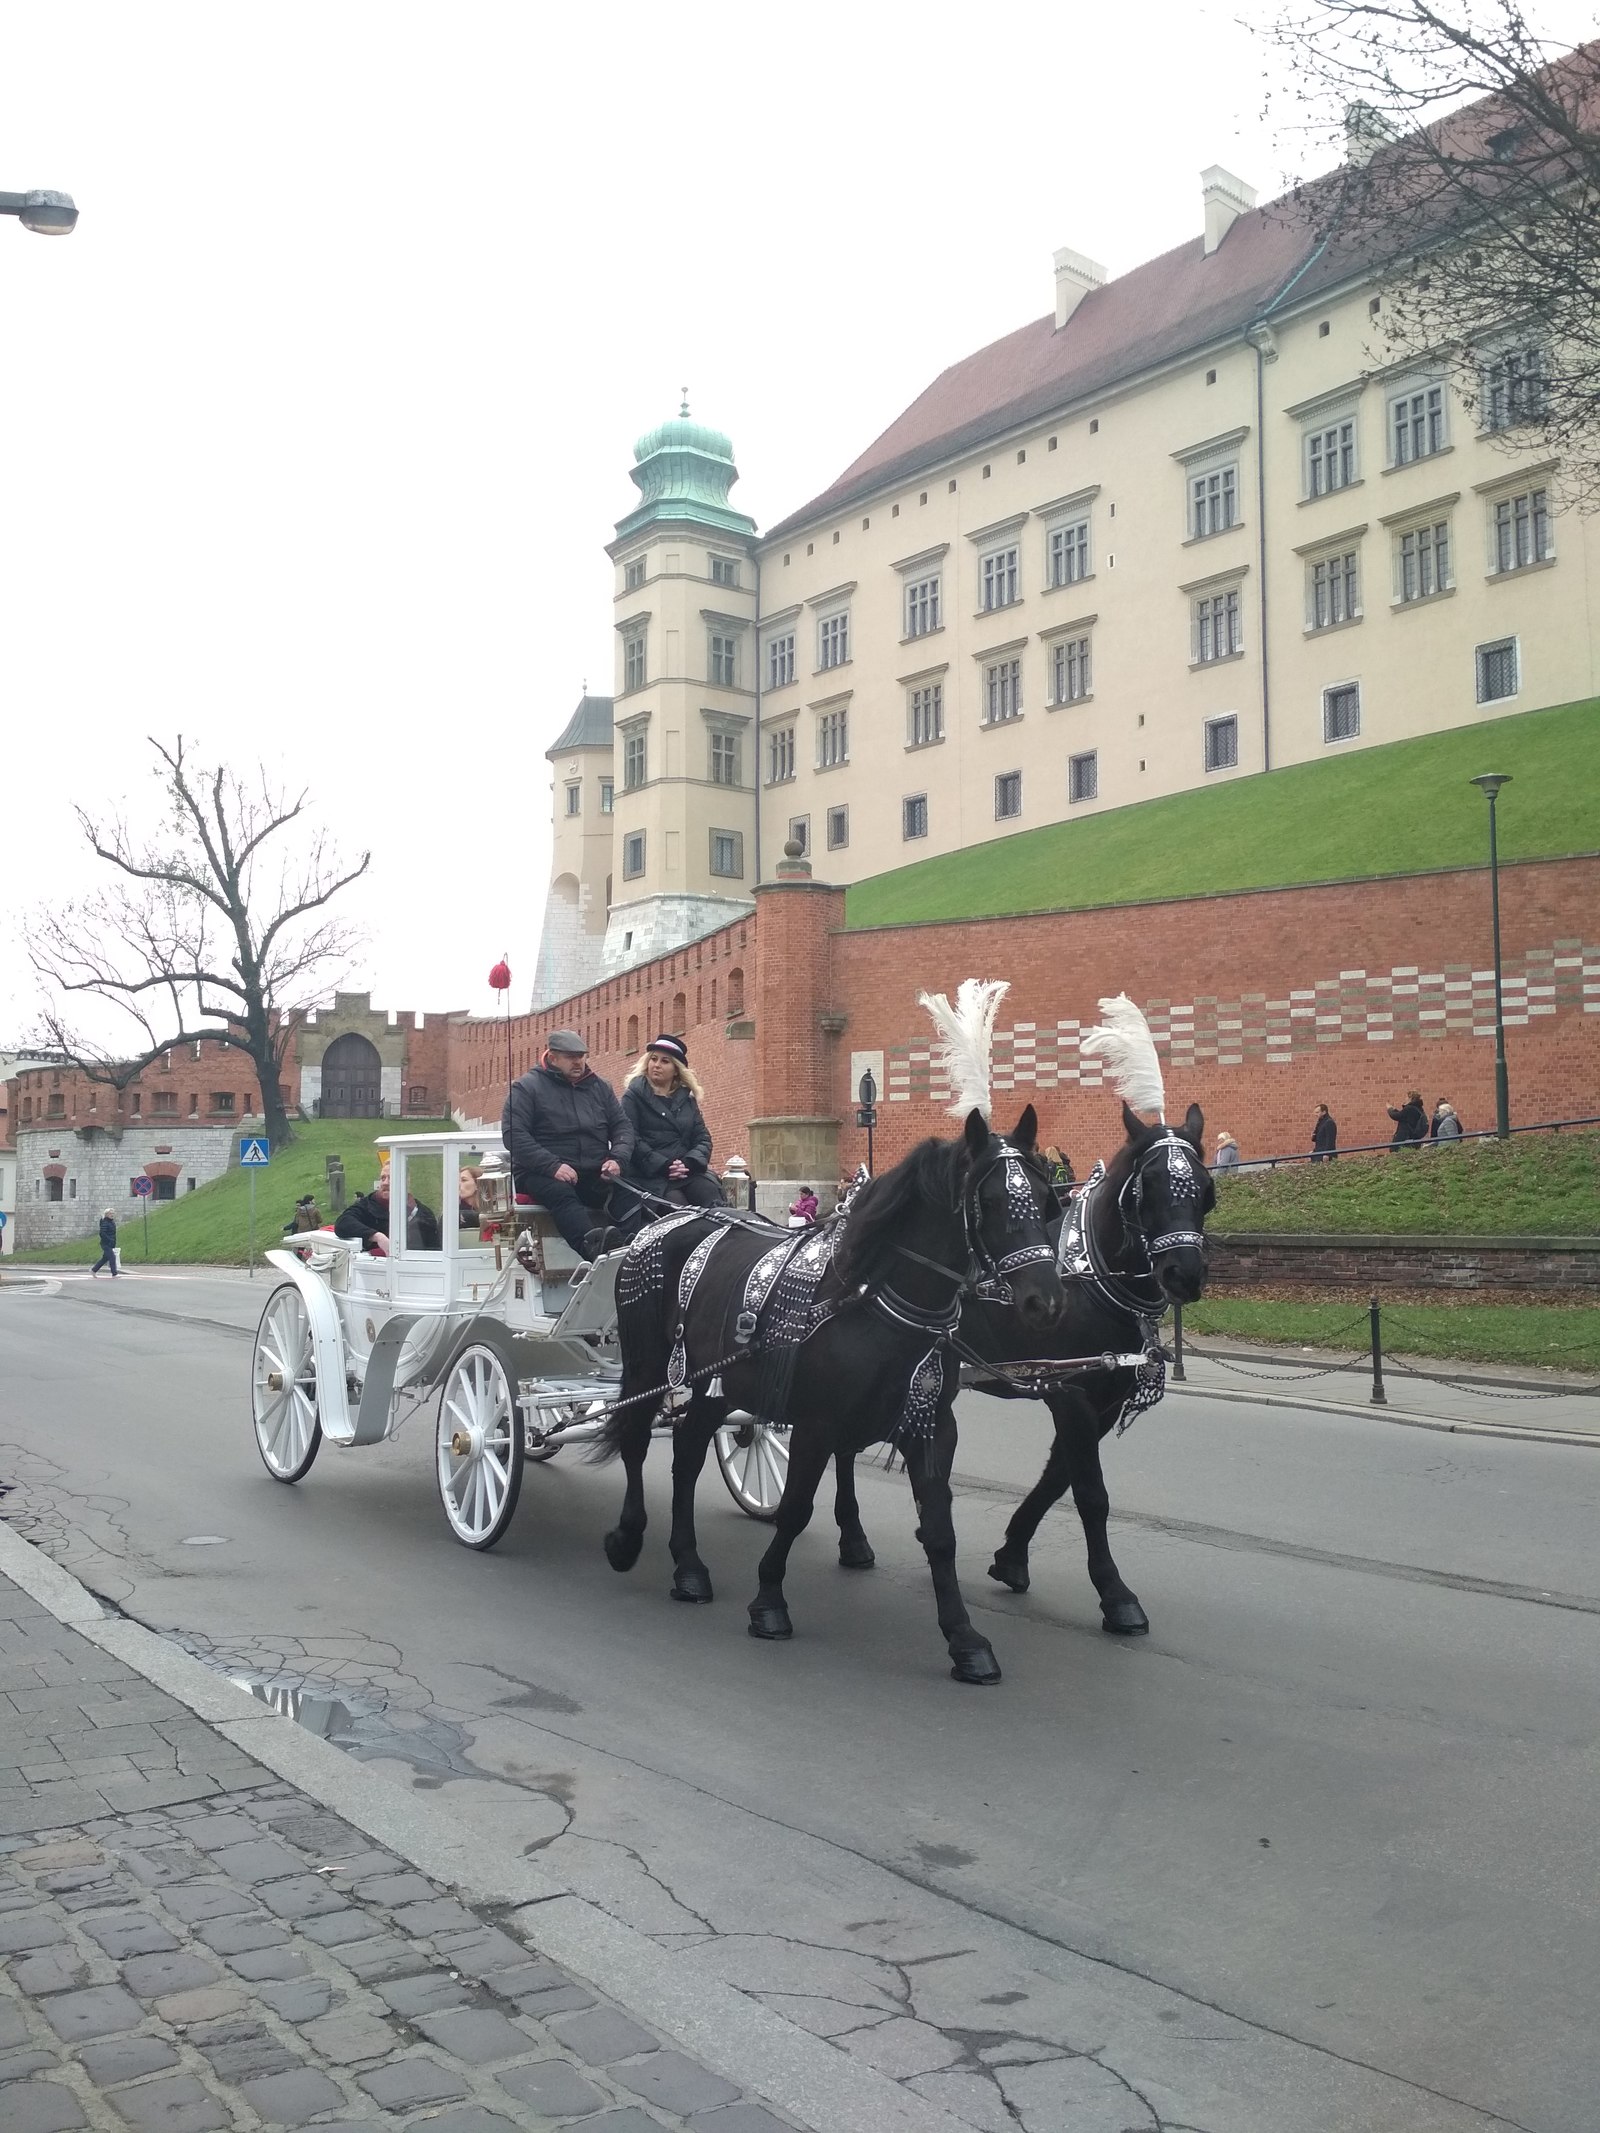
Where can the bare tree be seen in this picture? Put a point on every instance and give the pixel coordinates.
(210, 929)
(1470, 183)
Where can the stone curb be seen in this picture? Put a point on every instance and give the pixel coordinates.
(1406, 1418)
(746, 2043)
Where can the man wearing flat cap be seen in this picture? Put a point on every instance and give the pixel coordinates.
(567, 1136)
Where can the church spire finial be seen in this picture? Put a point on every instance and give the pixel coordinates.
(684, 410)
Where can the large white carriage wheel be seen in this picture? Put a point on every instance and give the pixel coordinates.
(754, 1458)
(283, 1386)
(479, 1446)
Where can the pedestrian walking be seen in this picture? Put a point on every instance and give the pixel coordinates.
(1410, 1122)
(1324, 1137)
(1227, 1157)
(108, 1245)
(1445, 1125)
(803, 1209)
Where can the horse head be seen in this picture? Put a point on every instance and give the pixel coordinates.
(1007, 1204)
(1162, 1190)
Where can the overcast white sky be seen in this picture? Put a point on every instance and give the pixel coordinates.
(312, 434)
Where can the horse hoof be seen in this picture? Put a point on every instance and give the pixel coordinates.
(856, 1554)
(622, 1549)
(770, 1622)
(1125, 1618)
(979, 1667)
(693, 1586)
(1014, 1575)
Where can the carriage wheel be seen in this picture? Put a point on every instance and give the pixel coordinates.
(283, 1386)
(479, 1446)
(754, 1458)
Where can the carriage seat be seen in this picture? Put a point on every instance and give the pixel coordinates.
(557, 1259)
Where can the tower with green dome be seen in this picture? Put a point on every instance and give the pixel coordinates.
(684, 719)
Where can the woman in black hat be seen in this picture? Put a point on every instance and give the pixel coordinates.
(671, 1143)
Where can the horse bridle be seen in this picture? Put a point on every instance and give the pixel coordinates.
(984, 1276)
(1137, 1290)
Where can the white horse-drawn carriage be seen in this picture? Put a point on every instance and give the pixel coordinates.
(514, 1332)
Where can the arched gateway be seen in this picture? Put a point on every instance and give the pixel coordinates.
(352, 1079)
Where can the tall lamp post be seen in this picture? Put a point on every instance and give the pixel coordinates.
(1489, 785)
(867, 1114)
(47, 214)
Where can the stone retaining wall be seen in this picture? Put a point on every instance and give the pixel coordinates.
(1250, 1260)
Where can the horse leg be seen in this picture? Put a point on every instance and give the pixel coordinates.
(626, 1537)
(1120, 1612)
(1010, 1565)
(690, 1440)
(929, 1465)
(808, 1460)
(855, 1550)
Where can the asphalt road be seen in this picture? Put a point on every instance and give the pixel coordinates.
(1319, 1853)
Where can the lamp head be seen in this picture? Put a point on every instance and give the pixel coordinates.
(867, 1093)
(48, 214)
(1491, 781)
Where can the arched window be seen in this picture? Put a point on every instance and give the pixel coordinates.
(633, 1034)
(735, 992)
(680, 1013)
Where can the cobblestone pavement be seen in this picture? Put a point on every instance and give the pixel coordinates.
(188, 1944)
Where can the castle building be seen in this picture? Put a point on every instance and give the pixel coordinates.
(1188, 526)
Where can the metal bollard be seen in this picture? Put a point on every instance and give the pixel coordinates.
(1179, 1374)
(1379, 1397)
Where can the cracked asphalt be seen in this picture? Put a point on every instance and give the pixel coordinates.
(1319, 1853)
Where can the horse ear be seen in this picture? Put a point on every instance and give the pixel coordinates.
(1194, 1124)
(1026, 1133)
(976, 1133)
(1133, 1124)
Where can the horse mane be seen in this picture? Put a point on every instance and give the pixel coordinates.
(880, 1210)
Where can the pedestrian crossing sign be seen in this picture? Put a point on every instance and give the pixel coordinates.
(254, 1154)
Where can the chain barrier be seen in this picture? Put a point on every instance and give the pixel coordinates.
(1284, 1373)
(1476, 1385)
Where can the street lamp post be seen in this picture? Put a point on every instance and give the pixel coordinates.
(47, 214)
(1489, 785)
(867, 1115)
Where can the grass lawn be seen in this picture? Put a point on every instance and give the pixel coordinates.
(211, 1227)
(1536, 1185)
(1554, 1337)
(1398, 809)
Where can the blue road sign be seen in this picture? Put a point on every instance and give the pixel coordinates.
(254, 1154)
(142, 1188)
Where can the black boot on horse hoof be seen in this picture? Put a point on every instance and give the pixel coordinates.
(855, 1552)
(1008, 1570)
(622, 1549)
(692, 1583)
(1124, 1618)
(980, 1667)
(770, 1622)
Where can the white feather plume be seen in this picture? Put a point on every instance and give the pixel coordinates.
(1123, 1040)
(966, 1039)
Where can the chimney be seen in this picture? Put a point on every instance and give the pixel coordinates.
(1075, 277)
(1226, 198)
(1365, 131)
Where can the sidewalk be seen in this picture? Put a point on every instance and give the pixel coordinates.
(189, 1942)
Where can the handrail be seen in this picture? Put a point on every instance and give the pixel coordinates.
(1271, 1162)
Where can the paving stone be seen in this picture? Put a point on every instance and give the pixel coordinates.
(125, 2059)
(338, 1928)
(277, 1963)
(738, 2118)
(602, 2036)
(485, 1950)
(214, 1832)
(413, 1996)
(233, 1936)
(325, 1835)
(362, 1865)
(192, 1901)
(100, 2012)
(302, 1896)
(627, 2120)
(290, 2098)
(553, 2087)
(563, 1999)
(263, 1859)
(301, 1999)
(477, 2035)
(177, 2105)
(442, 1915)
(208, 2004)
(531, 1976)
(347, 2036)
(244, 2052)
(386, 1957)
(406, 2084)
(41, 2107)
(51, 1970)
(163, 1866)
(13, 2025)
(471, 2118)
(390, 1889)
(48, 1858)
(23, 1930)
(22, 1811)
(673, 2083)
(126, 1793)
(152, 1975)
(15, 2066)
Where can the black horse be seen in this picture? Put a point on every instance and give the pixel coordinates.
(842, 1332)
(1132, 1243)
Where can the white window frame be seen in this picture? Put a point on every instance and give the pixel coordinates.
(635, 658)
(1213, 500)
(833, 640)
(1340, 688)
(1333, 588)
(1069, 551)
(833, 737)
(574, 798)
(1418, 405)
(1331, 454)
(923, 606)
(913, 817)
(726, 753)
(1071, 669)
(635, 744)
(1483, 653)
(1515, 387)
(1003, 780)
(722, 658)
(1424, 558)
(781, 755)
(633, 844)
(725, 571)
(633, 574)
(1223, 605)
(608, 796)
(1513, 531)
(925, 714)
(1227, 723)
(780, 660)
(1000, 577)
(1002, 691)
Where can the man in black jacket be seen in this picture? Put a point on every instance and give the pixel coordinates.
(1410, 1122)
(567, 1136)
(368, 1219)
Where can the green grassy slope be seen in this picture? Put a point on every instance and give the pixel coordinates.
(1397, 809)
(1535, 1185)
(211, 1227)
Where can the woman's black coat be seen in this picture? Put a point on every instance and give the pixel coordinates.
(666, 1129)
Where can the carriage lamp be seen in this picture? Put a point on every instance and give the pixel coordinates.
(1489, 785)
(47, 214)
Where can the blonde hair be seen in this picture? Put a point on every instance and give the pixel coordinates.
(686, 1076)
